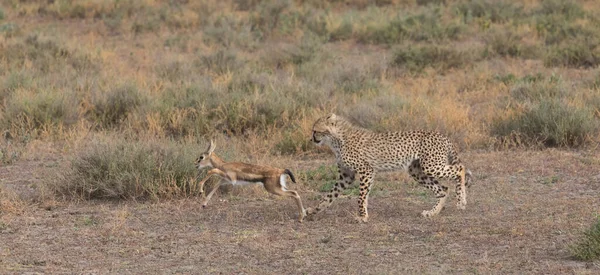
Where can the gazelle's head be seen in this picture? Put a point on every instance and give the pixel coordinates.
(204, 159)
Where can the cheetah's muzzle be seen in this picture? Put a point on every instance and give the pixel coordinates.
(314, 138)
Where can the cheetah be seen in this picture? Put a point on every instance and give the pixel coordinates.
(427, 156)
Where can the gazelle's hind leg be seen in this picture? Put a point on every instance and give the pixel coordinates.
(281, 189)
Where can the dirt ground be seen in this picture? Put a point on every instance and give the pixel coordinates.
(524, 211)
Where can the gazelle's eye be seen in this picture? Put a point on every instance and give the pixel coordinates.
(201, 158)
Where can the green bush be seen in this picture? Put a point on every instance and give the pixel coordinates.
(9, 29)
(110, 108)
(549, 122)
(267, 16)
(121, 169)
(534, 89)
(292, 143)
(525, 80)
(425, 26)
(588, 247)
(555, 20)
(568, 9)
(577, 55)
(35, 108)
(372, 112)
(357, 79)
(220, 62)
(417, 58)
(495, 11)
(505, 43)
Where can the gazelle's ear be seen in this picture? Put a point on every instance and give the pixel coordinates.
(332, 116)
(211, 147)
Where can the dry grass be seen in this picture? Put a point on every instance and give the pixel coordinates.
(522, 217)
(158, 78)
(162, 70)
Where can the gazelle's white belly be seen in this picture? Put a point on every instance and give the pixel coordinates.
(241, 182)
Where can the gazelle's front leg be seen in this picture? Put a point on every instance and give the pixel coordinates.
(345, 180)
(210, 173)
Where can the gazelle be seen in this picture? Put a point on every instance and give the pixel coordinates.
(238, 173)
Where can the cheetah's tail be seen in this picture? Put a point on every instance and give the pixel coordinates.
(468, 178)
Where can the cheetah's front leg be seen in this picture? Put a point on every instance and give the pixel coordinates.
(345, 180)
(366, 176)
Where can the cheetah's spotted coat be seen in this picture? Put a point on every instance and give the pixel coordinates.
(427, 156)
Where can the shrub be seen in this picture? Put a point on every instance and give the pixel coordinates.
(112, 107)
(417, 58)
(495, 11)
(588, 247)
(343, 32)
(227, 31)
(527, 80)
(220, 62)
(534, 89)
(555, 20)
(45, 55)
(577, 54)
(430, 2)
(121, 169)
(33, 108)
(292, 143)
(148, 22)
(356, 78)
(267, 16)
(14, 81)
(549, 122)
(426, 26)
(506, 43)
(173, 71)
(568, 9)
(373, 112)
(9, 29)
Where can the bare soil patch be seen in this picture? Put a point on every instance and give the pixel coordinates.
(523, 212)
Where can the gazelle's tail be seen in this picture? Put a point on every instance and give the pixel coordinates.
(287, 171)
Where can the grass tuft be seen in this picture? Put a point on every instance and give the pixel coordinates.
(111, 108)
(123, 169)
(550, 122)
(417, 58)
(494, 11)
(588, 246)
(577, 54)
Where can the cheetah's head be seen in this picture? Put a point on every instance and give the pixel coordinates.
(324, 128)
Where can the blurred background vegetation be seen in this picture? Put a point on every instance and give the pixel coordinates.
(128, 86)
